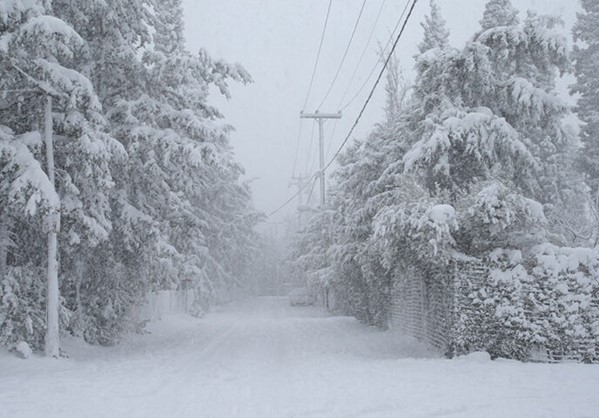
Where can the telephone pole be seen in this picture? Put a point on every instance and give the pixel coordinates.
(321, 118)
(52, 221)
(300, 182)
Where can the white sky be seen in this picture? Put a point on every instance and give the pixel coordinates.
(277, 41)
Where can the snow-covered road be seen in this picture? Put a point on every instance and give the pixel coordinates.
(262, 358)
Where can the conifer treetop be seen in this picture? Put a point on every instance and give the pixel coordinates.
(436, 34)
(499, 13)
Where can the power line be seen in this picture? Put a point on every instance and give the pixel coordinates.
(378, 80)
(353, 76)
(299, 135)
(351, 38)
(355, 96)
(324, 29)
(366, 103)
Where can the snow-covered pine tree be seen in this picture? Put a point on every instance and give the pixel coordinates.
(399, 204)
(499, 13)
(40, 55)
(311, 259)
(26, 194)
(156, 103)
(213, 206)
(366, 174)
(475, 108)
(436, 34)
(586, 62)
(115, 276)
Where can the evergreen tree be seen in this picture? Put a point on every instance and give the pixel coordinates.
(149, 192)
(586, 62)
(436, 34)
(499, 13)
(40, 54)
(478, 128)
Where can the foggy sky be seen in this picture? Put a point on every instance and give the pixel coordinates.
(277, 41)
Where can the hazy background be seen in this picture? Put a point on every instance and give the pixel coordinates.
(277, 42)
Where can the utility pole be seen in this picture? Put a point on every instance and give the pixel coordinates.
(52, 346)
(300, 182)
(321, 118)
(52, 223)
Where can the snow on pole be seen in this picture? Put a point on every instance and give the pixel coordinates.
(52, 346)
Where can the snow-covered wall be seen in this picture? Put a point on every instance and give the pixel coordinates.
(543, 309)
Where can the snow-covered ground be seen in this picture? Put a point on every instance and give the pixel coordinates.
(262, 358)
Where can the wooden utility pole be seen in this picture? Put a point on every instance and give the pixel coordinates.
(52, 346)
(300, 183)
(52, 224)
(321, 118)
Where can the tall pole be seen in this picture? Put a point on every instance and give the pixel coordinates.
(321, 149)
(321, 118)
(52, 346)
(300, 182)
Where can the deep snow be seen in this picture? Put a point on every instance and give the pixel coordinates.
(262, 358)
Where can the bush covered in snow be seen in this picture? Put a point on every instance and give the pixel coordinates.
(545, 302)
(22, 306)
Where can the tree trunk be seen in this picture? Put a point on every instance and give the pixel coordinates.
(52, 347)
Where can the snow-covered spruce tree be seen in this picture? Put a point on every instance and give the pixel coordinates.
(478, 129)
(499, 13)
(436, 34)
(211, 224)
(40, 58)
(362, 181)
(26, 194)
(352, 229)
(409, 227)
(586, 62)
(83, 151)
(156, 102)
(116, 276)
(310, 251)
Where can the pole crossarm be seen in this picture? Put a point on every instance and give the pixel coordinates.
(318, 115)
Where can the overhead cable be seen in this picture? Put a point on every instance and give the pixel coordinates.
(367, 80)
(366, 48)
(357, 121)
(351, 38)
(324, 30)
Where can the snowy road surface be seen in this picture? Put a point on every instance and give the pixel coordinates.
(262, 359)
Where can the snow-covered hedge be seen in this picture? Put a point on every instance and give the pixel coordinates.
(544, 306)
